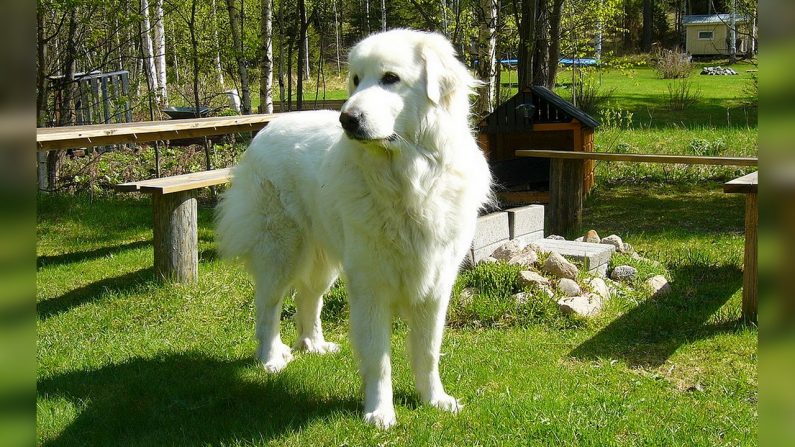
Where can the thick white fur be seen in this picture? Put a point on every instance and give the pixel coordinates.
(394, 209)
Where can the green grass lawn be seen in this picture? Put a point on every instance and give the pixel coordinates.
(125, 360)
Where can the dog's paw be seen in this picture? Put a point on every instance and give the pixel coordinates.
(446, 402)
(306, 344)
(276, 358)
(381, 418)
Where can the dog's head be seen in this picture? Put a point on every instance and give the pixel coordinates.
(396, 79)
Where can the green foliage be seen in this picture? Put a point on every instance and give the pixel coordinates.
(615, 118)
(682, 93)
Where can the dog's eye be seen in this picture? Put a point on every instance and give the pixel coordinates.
(355, 80)
(389, 79)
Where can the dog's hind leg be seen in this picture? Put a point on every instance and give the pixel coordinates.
(308, 303)
(271, 282)
(426, 324)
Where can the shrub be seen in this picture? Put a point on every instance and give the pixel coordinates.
(590, 96)
(616, 118)
(673, 64)
(682, 94)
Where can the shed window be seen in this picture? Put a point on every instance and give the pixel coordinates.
(706, 35)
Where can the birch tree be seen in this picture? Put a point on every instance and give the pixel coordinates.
(160, 53)
(146, 43)
(487, 55)
(266, 65)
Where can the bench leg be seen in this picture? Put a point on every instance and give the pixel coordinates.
(565, 196)
(750, 260)
(175, 236)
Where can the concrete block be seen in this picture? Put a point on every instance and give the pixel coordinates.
(491, 231)
(594, 257)
(526, 239)
(525, 220)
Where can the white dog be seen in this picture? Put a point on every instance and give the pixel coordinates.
(387, 191)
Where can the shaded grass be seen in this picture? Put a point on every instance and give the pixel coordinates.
(124, 360)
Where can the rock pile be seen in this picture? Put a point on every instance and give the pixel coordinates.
(561, 280)
(718, 71)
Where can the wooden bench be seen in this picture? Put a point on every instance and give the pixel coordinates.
(748, 185)
(566, 174)
(174, 220)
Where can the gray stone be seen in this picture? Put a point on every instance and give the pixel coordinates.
(594, 257)
(489, 260)
(558, 265)
(659, 286)
(521, 298)
(579, 239)
(569, 287)
(507, 251)
(526, 223)
(555, 237)
(615, 241)
(628, 248)
(546, 290)
(526, 258)
(624, 273)
(599, 287)
(529, 277)
(585, 305)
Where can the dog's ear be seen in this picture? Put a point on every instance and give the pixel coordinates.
(447, 79)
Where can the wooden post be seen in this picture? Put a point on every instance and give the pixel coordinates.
(749, 261)
(175, 236)
(565, 195)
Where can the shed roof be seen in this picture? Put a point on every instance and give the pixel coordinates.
(566, 106)
(712, 19)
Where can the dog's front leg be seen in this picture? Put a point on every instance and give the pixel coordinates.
(371, 324)
(426, 324)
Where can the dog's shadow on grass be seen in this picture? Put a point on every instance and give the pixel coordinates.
(185, 400)
(647, 335)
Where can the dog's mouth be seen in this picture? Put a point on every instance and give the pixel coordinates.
(369, 139)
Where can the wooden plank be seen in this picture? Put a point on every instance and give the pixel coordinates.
(640, 158)
(746, 184)
(178, 183)
(524, 196)
(750, 271)
(54, 138)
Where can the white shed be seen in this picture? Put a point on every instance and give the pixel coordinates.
(708, 35)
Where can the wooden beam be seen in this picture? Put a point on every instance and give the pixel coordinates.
(750, 270)
(176, 236)
(57, 138)
(566, 178)
(640, 158)
(746, 184)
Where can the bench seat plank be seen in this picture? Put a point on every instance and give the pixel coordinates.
(178, 183)
(746, 184)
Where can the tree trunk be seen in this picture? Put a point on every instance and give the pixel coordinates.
(527, 25)
(146, 42)
(67, 109)
(240, 57)
(302, 56)
(337, 38)
(541, 45)
(383, 15)
(648, 25)
(217, 42)
(160, 53)
(41, 96)
(554, 42)
(487, 49)
(266, 66)
(366, 27)
(305, 41)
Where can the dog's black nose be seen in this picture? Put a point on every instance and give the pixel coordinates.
(350, 121)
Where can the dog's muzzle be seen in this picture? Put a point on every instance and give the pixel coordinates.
(351, 122)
